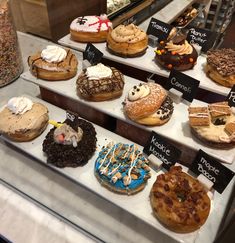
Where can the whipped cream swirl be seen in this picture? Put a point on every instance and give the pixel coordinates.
(183, 49)
(19, 105)
(138, 92)
(98, 71)
(53, 54)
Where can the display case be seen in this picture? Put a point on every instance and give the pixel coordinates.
(73, 194)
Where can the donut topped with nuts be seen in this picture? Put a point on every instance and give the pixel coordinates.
(176, 54)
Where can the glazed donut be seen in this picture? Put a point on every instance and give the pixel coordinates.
(214, 125)
(148, 104)
(127, 41)
(176, 54)
(99, 83)
(179, 201)
(221, 66)
(90, 28)
(122, 168)
(53, 64)
(23, 120)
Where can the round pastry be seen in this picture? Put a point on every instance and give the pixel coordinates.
(53, 63)
(122, 168)
(127, 41)
(70, 144)
(148, 104)
(23, 120)
(90, 28)
(99, 83)
(214, 125)
(179, 201)
(221, 66)
(176, 54)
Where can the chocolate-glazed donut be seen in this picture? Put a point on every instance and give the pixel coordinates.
(176, 54)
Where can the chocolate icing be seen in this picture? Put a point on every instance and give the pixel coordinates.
(66, 155)
(176, 61)
(223, 60)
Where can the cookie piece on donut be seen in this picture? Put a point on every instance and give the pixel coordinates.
(100, 83)
(220, 66)
(90, 28)
(122, 168)
(213, 124)
(179, 201)
(176, 54)
(148, 104)
(127, 41)
(23, 120)
(53, 63)
(70, 144)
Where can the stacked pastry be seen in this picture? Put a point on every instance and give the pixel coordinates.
(214, 124)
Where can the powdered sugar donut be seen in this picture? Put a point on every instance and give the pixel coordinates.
(90, 28)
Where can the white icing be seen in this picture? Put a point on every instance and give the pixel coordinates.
(138, 92)
(53, 54)
(19, 105)
(91, 24)
(98, 71)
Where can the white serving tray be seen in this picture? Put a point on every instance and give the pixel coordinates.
(147, 63)
(177, 129)
(137, 205)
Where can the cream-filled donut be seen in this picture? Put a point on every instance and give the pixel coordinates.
(148, 104)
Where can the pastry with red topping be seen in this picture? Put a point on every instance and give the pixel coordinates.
(90, 28)
(176, 54)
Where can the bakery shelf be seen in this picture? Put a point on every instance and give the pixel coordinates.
(177, 129)
(150, 66)
(85, 176)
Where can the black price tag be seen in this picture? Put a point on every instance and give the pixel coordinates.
(204, 38)
(231, 97)
(163, 150)
(72, 116)
(159, 29)
(183, 83)
(92, 54)
(213, 170)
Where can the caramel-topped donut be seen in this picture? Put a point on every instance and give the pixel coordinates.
(176, 54)
(221, 66)
(53, 63)
(179, 201)
(148, 104)
(127, 41)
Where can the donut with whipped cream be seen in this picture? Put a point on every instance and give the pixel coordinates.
(127, 41)
(23, 120)
(148, 104)
(176, 54)
(90, 28)
(53, 63)
(213, 124)
(100, 83)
